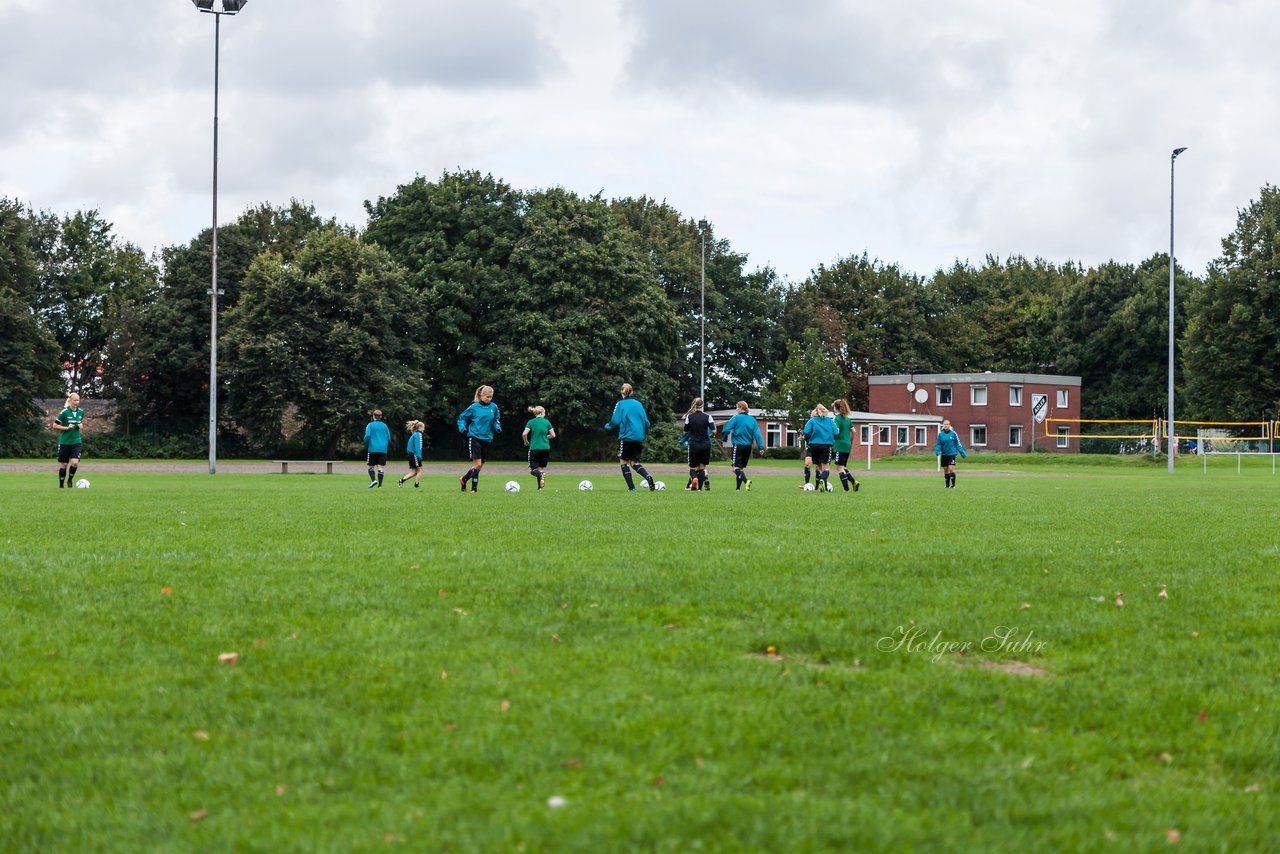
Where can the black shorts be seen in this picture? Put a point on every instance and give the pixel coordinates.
(376, 459)
(948, 460)
(415, 461)
(821, 454)
(629, 450)
(539, 459)
(699, 456)
(477, 448)
(840, 458)
(67, 453)
(741, 456)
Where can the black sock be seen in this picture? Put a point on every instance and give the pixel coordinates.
(739, 477)
(706, 480)
(626, 474)
(807, 472)
(379, 478)
(475, 479)
(373, 476)
(640, 471)
(62, 477)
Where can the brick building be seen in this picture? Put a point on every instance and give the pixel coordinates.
(990, 411)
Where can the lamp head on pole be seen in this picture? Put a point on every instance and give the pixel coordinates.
(702, 225)
(1178, 151)
(229, 7)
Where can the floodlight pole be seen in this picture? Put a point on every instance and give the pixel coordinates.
(227, 9)
(702, 382)
(1171, 440)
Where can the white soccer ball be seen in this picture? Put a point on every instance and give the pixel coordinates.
(830, 488)
(512, 486)
(659, 486)
(808, 487)
(585, 486)
(82, 483)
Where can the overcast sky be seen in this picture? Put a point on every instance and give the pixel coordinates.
(805, 131)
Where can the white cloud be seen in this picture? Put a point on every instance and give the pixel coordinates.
(916, 132)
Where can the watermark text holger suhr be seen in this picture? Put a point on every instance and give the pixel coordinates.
(1006, 639)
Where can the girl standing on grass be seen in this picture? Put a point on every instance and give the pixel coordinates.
(70, 443)
(538, 434)
(742, 430)
(843, 445)
(947, 447)
(413, 449)
(478, 422)
(820, 432)
(699, 427)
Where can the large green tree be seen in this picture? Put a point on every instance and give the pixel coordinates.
(1113, 323)
(172, 368)
(809, 376)
(332, 333)
(1232, 346)
(28, 352)
(87, 278)
(744, 341)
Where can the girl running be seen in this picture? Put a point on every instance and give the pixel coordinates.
(820, 431)
(478, 422)
(632, 424)
(699, 427)
(843, 445)
(742, 430)
(413, 449)
(538, 434)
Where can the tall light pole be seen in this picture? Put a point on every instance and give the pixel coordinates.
(1172, 430)
(702, 383)
(229, 7)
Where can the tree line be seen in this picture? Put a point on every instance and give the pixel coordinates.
(557, 299)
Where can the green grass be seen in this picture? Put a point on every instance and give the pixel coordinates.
(428, 669)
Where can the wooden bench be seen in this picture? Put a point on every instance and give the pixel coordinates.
(284, 464)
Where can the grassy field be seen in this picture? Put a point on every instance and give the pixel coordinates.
(567, 671)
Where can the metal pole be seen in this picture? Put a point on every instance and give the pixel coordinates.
(1172, 428)
(213, 275)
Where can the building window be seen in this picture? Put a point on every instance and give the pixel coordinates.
(944, 395)
(1063, 433)
(884, 435)
(865, 434)
(1015, 395)
(978, 395)
(773, 435)
(978, 435)
(902, 435)
(792, 437)
(1062, 398)
(1015, 435)
(922, 435)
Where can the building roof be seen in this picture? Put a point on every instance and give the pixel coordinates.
(982, 377)
(894, 418)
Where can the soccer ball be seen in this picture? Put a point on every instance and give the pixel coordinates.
(82, 483)
(512, 486)
(585, 486)
(808, 487)
(659, 486)
(830, 488)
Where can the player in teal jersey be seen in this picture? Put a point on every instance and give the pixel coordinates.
(377, 441)
(538, 434)
(478, 423)
(70, 444)
(413, 450)
(742, 430)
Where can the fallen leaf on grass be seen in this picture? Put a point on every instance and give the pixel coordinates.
(166, 591)
(450, 726)
(564, 605)
(259, 643)
(659, 782)
(1163, 594)
(1195, 634)
(771, 650)
(280, 790)
(52, 653)
(198, 815)
(1253, 787)
(671, 626)
(1026, 606)
(1165, 758)
(391, 838)
(1203, 717)
(555, 639)
(444, 674)
(873, 532)
(460, 612)
(1120, 599)
(229, 658)
(200, 735)
(511, 671)
(442, 593)
(572, 763)
(506, 705)
(1173, 836)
